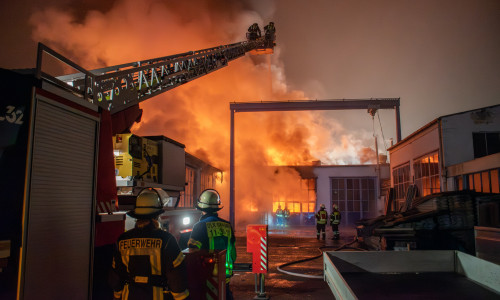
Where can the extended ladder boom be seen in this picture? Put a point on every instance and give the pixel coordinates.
(118, 87)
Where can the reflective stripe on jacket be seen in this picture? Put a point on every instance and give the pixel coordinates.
(214, 233)
(322, 217)
(335, 218)
(145, 261)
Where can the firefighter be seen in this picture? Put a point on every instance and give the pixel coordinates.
(286, 216)
(269, 30)
(254, 31)
(214, 233)
(279, 216)
(335, 217)
(148, 263)
(321, 218)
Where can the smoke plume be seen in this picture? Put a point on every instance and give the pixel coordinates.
(197, 114)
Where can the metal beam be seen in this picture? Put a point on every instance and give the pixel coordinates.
(338, 104)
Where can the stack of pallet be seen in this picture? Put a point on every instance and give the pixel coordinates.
(460, 212)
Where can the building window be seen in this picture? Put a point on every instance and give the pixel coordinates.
(305, 202)
(187, 196)
(485, 143)
(427, 174)
(354, 195)
(495, 181)
(486, 181)
(401, 177)
(309, 187)
(460, 183)
(208, 180)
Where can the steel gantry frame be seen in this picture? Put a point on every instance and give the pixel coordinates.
(338, 104)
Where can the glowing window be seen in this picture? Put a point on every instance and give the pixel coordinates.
(426, 170)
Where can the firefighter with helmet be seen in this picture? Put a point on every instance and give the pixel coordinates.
(335, 217)
(269, 30)
(254, 32)
(147, 262)
(214, 233)
(321, 218)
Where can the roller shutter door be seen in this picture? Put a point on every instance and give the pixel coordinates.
(60, 206)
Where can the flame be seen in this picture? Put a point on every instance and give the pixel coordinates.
(197, 114)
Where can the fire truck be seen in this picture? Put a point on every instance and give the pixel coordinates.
(64, 141)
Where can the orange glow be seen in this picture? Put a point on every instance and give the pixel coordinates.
(253, 208)
(197, 114)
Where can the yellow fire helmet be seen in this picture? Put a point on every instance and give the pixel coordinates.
(209, 200)
(148, 205)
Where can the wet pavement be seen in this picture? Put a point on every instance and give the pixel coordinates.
(288, 245)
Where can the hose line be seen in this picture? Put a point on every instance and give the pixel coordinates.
(346, 245)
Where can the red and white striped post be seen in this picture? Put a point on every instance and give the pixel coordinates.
(257, 244)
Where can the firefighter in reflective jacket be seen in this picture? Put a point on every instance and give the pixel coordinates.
(147, 263)
(321, 219)
(335, 221)
(214, 233)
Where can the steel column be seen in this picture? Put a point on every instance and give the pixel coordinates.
(398, 123)
(231, 172)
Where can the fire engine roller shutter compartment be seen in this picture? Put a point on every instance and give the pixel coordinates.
(60, 211)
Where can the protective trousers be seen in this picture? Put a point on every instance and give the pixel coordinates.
(320, 228)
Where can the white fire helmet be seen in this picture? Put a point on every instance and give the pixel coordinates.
(209, 200)
(148, 205)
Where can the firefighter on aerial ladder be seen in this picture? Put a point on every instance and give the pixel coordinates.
(269, 31)
(214, 233)
(148, 263)
(321, 218)
(254, 32)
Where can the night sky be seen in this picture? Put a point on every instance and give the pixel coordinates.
(440, 57)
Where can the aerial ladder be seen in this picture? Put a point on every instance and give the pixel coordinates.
(118, 87)
(57, 141)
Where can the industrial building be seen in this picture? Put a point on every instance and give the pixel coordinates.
(358, 190)
(454, 152)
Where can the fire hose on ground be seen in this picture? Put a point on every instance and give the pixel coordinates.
(344, 246)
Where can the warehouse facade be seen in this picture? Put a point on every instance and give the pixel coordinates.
(454, 152)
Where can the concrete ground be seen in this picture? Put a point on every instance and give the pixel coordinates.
(287, 245)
